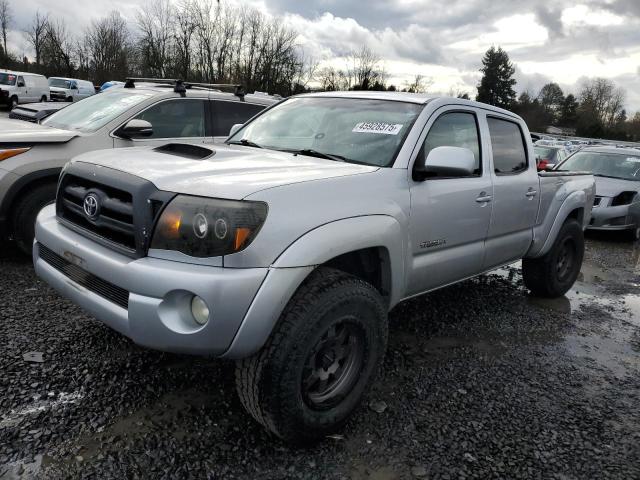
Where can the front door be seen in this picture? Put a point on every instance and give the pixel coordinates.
(175, 120)
(515, 194)
(449, 216)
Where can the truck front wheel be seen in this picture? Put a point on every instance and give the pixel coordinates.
(553, 274)
(320, 358)
(25, 211)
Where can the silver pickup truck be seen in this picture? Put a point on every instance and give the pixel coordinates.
(285, 248)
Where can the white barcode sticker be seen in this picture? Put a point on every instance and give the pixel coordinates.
(378, 127)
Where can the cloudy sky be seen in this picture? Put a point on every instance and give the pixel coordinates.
(548, 40)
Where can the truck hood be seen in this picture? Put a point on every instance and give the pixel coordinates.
(232, 172)
(610, 187)
(17, 131)
(58, 89)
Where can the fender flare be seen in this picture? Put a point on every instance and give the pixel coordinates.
(16, 188)
(336, 238)
(576, 200)
(301, 257)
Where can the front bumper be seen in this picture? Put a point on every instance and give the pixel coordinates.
(159, 291)
(611, 218)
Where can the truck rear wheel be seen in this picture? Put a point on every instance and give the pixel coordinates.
(553, 274)
(25, 212)
(320, 358)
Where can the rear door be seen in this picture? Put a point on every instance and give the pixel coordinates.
(449, 215)
(226, 114)
(515, 192)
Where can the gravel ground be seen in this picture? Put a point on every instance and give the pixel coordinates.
(480, 381)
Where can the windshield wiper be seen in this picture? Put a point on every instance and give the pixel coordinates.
(315, 153)
(246, 143)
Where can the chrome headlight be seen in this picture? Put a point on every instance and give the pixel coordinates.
(207, 227)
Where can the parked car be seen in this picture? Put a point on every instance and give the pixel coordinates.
(111, 83)
(286, 248)
(70, 89)
(547, 156)
(617, 173)
(32, 155)
(22, 87)
(34, 112)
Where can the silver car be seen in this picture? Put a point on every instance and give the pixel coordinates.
(617, 173)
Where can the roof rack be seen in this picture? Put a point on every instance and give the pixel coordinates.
(180, 86)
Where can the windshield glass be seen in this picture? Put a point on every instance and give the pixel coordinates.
(59, 82)
(353, 130)
(545, 153)
(7, 79)
(96, 111)
(615, 165)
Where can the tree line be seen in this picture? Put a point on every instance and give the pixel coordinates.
(216, 42)
(597, 110)
(198, 40)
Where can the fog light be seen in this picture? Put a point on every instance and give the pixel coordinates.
(199, 310)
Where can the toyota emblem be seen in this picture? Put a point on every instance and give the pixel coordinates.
(91, 206)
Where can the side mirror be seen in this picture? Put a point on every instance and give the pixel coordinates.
(135, 128)
(445, 162)
(235, 128)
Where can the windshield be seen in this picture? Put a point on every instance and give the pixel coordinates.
(59, 82)
(615, 165)
(96, 111)
(7, 79)
(545, 153)
(347, 129)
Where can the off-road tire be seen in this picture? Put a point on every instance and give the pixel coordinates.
(270, 383)
(25, 211)
(546, 276)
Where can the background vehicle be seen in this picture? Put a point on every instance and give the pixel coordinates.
(111, 83)
(32, 155)
(34, 112)
(22, 87)
(547, 156)
(70, 89)
(617, 174)
(287, 247)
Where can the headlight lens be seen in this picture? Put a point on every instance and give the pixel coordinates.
(624, 198)
(206, 227)
(12, 152)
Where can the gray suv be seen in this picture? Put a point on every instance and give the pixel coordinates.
(142, 113)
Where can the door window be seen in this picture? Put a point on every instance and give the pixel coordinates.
(227, 114)
(455, 129)
(507, 143)
(177, 118)
(21, 82)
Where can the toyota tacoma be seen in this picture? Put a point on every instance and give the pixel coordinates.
(285, 248)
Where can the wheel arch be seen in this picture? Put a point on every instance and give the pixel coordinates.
(377, 257)
(24, 184)
(573, 207)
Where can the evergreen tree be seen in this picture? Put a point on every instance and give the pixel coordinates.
(496, 85)
(568, 111)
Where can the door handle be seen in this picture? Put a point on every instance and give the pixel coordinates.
(531, 193)
(483, 198)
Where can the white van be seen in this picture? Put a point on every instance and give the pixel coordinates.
(70, 89)
(22, 87)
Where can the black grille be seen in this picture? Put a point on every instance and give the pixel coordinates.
(114, 220)
(128, 206)
(97, 285)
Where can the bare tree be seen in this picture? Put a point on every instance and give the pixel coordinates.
(109, 48)
(37, 32)
(155, 45)
(57, 49)
(419, 84)
(602, 100)
(5, 21)
(184, 25)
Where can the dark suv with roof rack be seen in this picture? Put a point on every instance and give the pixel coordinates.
(146, 112)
